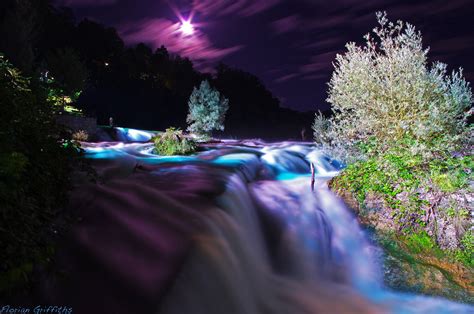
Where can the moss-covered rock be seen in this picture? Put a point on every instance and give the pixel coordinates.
(421, 261)
(414, 263)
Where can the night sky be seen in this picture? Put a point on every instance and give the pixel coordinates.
(290, 45)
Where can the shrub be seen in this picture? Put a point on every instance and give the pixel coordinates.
(35, 165)
(207, 109)
(385, 90)
(80, 135)
(173, 142)
(321, 128)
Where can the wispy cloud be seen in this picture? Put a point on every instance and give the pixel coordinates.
(156, 32)
(319, 67)
(286, 24)
(238, 7)
(84, 3)
(320, 62)
(286, 77)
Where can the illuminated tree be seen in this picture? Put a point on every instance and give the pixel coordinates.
(207, 109)
(385, 91)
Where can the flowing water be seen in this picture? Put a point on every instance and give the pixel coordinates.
(235, 228)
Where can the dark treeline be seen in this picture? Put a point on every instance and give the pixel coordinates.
(137, 86)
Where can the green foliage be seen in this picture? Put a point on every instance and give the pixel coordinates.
(420, 242)
(385, 90)
(397, 172)
(451, 212)
(34, 172)
(63, 92)
(173, 142)
(466, 253)
(207, 109)
(448, 183)
(399, 121)
(451, 174)
(59, 98)
(388, 174)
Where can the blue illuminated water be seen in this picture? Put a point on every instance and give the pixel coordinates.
(272, 244)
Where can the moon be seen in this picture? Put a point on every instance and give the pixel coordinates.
(187, 28)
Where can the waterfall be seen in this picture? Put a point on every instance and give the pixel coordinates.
(229, 269)
(253, 236)
(322, 262)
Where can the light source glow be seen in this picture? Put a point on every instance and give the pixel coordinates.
(187, 28)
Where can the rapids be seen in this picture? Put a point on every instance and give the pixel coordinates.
(234, 228)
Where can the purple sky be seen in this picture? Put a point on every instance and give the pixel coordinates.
(289, 44)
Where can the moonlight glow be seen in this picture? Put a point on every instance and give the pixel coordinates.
(187, 28)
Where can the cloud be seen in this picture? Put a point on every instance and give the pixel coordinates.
(156, 32)
(240, 7)
(323, 43)
(321, 63)
(286, 24)
(287, 77)
(318, 67)
(84, 3)
(454, 44)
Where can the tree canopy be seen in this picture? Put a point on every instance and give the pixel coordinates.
(207, 109)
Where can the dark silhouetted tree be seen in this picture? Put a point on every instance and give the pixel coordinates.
(18, 22)
(67, 69)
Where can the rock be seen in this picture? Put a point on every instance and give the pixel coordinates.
(428, 275)
(424, 272)
(374, 201)
(446, 236)
(403, 196)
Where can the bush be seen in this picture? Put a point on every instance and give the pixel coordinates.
(400, 123)
(173, 142)
(35, 165)
(80, 135)
(386, 91)
(321, 127)
(207, 109)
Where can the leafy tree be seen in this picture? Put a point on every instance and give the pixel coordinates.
(68, 70)
(96, 42)
(35, 165)
(386, 91)
(401, 123)
(207, 109)
(34, 32)
(18, 24)
(252, 103)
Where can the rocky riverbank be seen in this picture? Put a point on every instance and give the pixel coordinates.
(434, 261)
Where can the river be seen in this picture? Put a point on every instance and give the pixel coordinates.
(235, 228)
